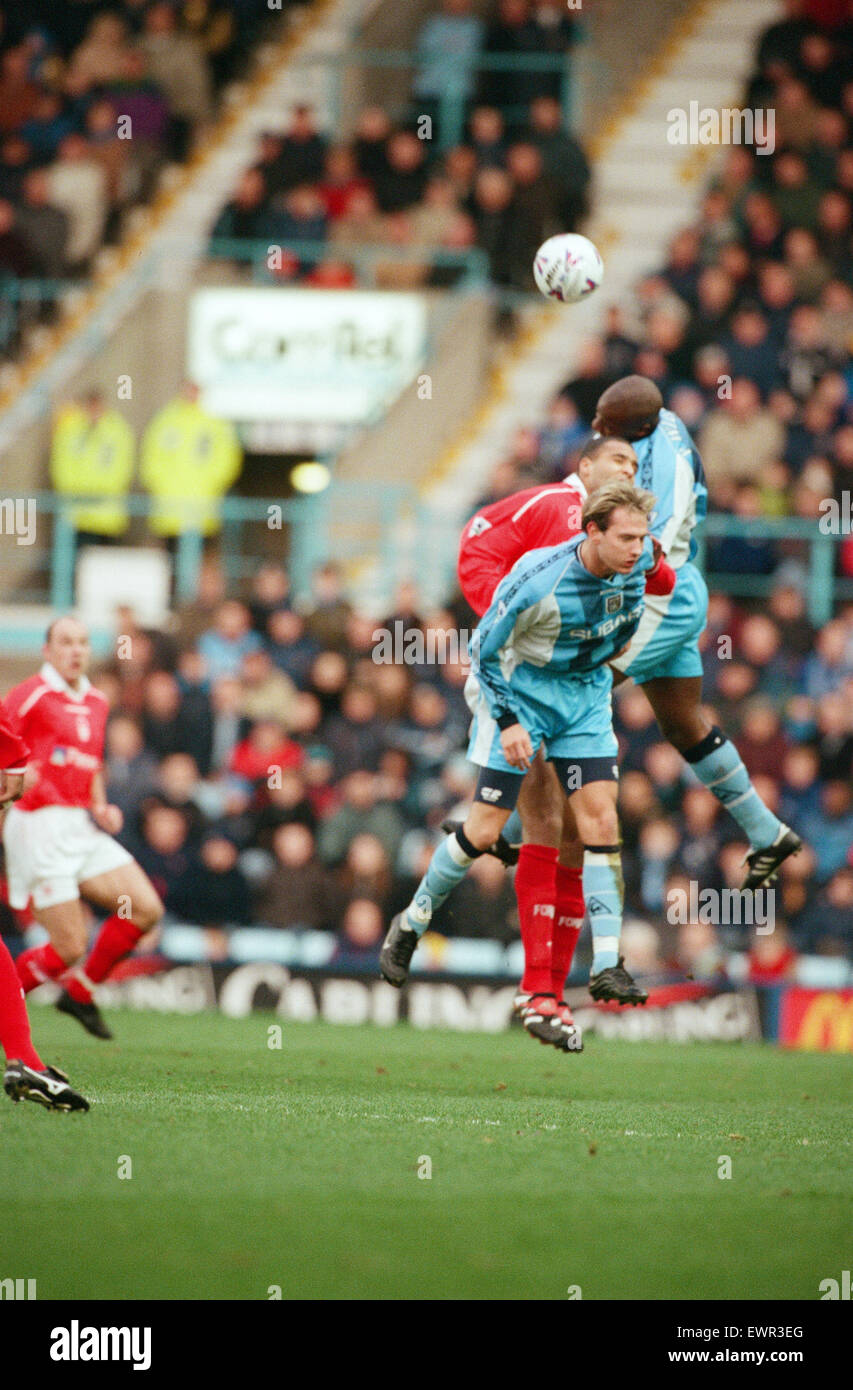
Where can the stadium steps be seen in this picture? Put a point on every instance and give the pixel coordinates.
(645, 190)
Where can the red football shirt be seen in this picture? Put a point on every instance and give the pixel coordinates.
(501, 533)
(65, 732)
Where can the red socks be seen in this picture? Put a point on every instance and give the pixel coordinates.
(535, 889)
(115, 940)
(567, 925)
(15, 1038)
(38, 964)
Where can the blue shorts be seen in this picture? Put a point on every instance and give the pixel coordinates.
(572, 718)
(666, 642)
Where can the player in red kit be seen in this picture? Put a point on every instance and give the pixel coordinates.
(25, 1077)
(58, 837)
(548, 877)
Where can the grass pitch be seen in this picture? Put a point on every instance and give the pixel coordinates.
(252, 1167)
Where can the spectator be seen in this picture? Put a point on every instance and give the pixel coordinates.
(329, 610)
(131, 768)
(829, 831)
(79, 187)
(360, 936)
(244, 216)
(362, 810)
(563, 159)
(298, 892)
(177, 63)
(267, 692)
(189, 460)
(447, 48)
(212, 890)
(401, 184)
(356, 735)
(44, 229)
(92, 458)
(225, 646)
(302, 154)
(740, 435)
(265, 753)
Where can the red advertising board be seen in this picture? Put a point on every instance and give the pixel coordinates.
(817, 1020)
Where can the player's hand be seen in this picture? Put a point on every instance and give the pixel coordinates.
(108, 818)
(657, 553)
(518, 750)
(11, 787)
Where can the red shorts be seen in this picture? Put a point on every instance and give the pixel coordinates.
(478, 579)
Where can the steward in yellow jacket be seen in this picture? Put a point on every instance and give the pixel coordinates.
(92, 456)
(189, 461)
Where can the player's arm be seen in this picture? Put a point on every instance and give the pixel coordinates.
(13, 763)
(493, 632)
(660, 579)
(107, 817)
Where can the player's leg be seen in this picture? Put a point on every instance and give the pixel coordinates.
(505, 846)
(128, 894)
(15, 1037)
(569, 908)
(26, 1076)
(65, 924)
(677, 704)
(594, 807)
(496, 794)
(494, 798)
(540, 808)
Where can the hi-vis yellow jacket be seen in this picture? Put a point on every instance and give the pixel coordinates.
(93, 459)
(189, 461)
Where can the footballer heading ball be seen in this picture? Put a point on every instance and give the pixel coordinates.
(568, 267)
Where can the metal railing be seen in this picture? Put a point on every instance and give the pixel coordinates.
(365, 259)
(391, 525)
(825, 589)
(452, 109)
(22, 302)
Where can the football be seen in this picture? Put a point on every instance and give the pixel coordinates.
(568, 267)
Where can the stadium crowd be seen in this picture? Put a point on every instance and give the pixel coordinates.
(95, 99)
(516, 176)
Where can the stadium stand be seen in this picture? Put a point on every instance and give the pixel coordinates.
(96, 101)
(756, 291)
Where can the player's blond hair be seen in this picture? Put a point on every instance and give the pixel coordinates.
(601, 504)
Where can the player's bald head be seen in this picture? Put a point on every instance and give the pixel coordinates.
(630, 408)
(65, 629)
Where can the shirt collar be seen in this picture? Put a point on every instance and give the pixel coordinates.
(51, 677)
(575, 482)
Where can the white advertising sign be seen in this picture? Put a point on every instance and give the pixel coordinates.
(310, 357)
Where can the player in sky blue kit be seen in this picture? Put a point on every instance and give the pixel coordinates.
(541, 655)
(664, 653)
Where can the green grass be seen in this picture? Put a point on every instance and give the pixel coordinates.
(253, 1167)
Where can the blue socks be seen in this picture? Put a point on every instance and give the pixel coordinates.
(718, 765)
(448, 866)
(512, 831)
(603, 890)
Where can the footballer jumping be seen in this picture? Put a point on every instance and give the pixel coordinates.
(540, 655)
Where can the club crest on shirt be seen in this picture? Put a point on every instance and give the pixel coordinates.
(612, 603)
